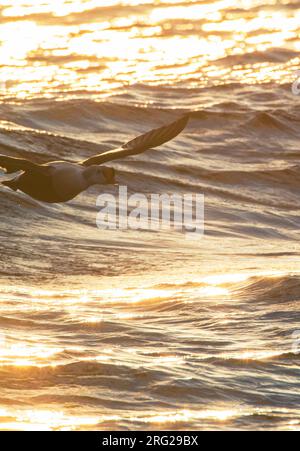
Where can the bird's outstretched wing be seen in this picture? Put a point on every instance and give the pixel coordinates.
(144, 142)
(12, 165)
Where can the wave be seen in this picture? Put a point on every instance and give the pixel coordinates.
(266, 122)
(236, 154)
(272, 55)
(102, 116)
(70, 122)
(274, 289)
(289, 176)
(93, 373)
(264, 359)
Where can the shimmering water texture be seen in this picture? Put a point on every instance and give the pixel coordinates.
(71, 47)
(148, 330)
(212, 353)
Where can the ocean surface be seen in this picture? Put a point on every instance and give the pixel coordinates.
(141, 329)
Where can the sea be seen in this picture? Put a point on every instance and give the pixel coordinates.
(150, 329)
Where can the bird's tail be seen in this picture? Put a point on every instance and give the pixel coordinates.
(10, 183)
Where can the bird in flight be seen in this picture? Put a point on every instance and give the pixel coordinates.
(61, 181)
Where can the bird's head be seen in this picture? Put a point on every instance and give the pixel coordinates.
(100, 175)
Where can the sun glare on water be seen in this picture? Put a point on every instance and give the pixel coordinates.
(28, 355)
(170, 336)
(71, 47)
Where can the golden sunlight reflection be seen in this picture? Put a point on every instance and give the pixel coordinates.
(212, 291)
(98, 308)
(29, 420)
(89, 301)
(186, 416)
(221, 415)
(19, 354)
(115, 328)
(43, 420)
(57, 52)
(60, 420)
(224, 279)
(256, 355)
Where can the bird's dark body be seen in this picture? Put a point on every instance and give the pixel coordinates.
(37, 185)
